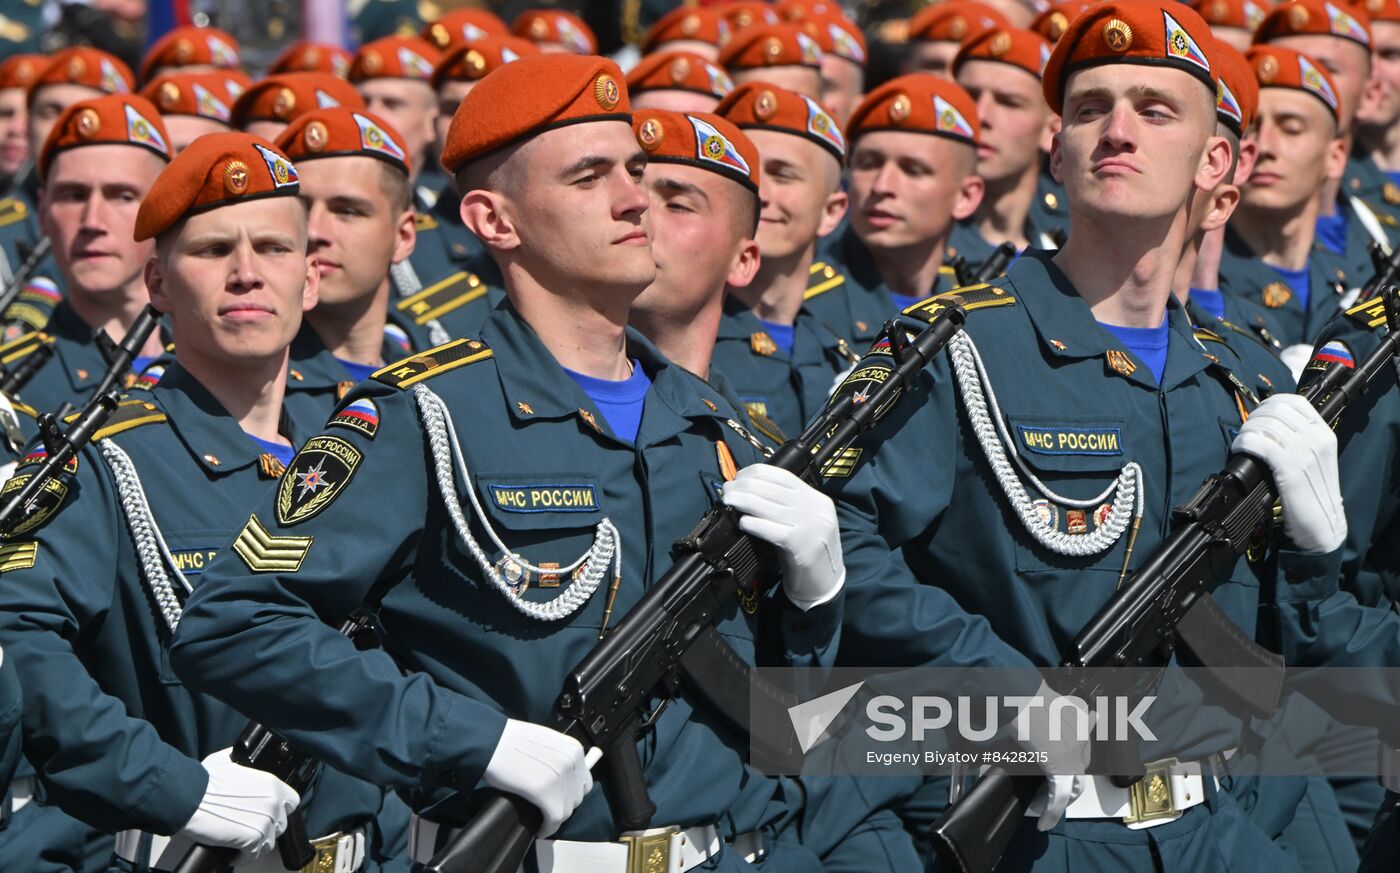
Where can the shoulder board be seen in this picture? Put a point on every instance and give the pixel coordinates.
(442, 297)
(423, 221)
(1208, 335)
(128, 414)
(23, 347)
(12, 209)
(969, 297)
(824, 277)
(433, 362)
(1369, 314)
(22, 407)
(766, 426)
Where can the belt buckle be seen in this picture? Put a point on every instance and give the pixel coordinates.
(1150, 798)
(649, 851)
(327, 854)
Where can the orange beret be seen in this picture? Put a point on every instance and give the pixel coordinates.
(90, 67)
(1326, 17)
(1152, 32)
(1383, 10)
(341, 133)
(954, 21)
(200, 94)
(746, 13)
(1240, 14)
(918, 103)
(191, 47)
(312, 57)
(557, 26)
(1053, 22)
(473, 60)
(698, 139)
(1023, 49)
(20, 71)
(115, 119)
(287, 95)
(532, 95)
(678, 71)
(700, 23)
(395, 57)
(457, 26)
(837, 35)
(218, 169)
(1279, 67)
(1237, 97)
(760, 106)
(770, 45)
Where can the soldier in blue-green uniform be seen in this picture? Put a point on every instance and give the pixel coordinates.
(1371, 169)
(92, 189)
(779, 360)
(1080, 403)
(479, 594)
(911, 177)
(95, 578)
(1000, 69)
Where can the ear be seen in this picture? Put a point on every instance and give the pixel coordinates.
(311, 291)
(155, 285)
(405, 236)
(745, 266)
(1052, 130)
(1221, 206)
(832, 212)
(1336, 158)
(969, 197)
(1249, 156)
(1056, 157)
(485, 214)
(1215, 164)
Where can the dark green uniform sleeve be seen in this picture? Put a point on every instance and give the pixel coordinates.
(260, 631)
(11, 703)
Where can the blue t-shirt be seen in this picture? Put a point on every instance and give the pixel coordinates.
(1211, 301)
(904, 301)
(1332, 230)
(783, 334)
(620, 402)
(1393, 176)
(1298, 280)
(1149, 344)
(277, 450)
(358, 372)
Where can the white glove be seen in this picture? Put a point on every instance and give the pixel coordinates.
(781, 509)
(543, 766)
(1295, 358)
(1288, 435)
(243, 808)
(1065, 757)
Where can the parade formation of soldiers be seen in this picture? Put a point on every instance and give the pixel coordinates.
(350, 402)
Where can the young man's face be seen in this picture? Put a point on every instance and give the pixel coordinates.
(410, 107)
(576, 209)
(185, 129)
(1298, 150)
(1381, 105)
(932, 57)
(48, 104)
(907, 189)
(843, 84)
(236, 280)
(800, 193)
(1137, 141)
(700, 222)
(88, 209)
(803, 80)
(1349, 64)
(354, 232)
(1015, 118)
(14, 131)
(449, 96)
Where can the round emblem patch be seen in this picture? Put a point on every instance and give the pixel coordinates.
(284, 103)
(605, 91)
(539, 29)
(765, 105)
(76, 67)
(1117, 35)
(651, 134)
(1267, 70)
(690, 25)
(1000, 44)
(1217, 11)
(315, 136)
(169, 95)
(439, 35)
(680, 68)
(1276, 294)
(475, 63)
(87, 123)
(236, 177)
(183, 51)
(714, 147)
(957, 27)
(1057, 26)
(371, 62)
(772, 50)
(1298, 17)
(900, 107)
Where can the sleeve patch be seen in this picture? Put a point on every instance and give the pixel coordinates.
(265, 553)
(18, 556)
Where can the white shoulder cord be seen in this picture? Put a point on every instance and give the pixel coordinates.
(607, 542)
(1370, 222)
(150, 545)
(405, 280)
(984, 413)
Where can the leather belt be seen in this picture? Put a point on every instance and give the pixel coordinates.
(335, 853)
(1168, 789)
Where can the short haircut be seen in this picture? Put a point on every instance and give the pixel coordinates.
(395, 186)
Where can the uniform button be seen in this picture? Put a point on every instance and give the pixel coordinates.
(459, 249)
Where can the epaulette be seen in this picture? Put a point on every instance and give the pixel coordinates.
(823, 277)
(433, 362)
(423, 221)
(129, 414)
(23, 347)
(969, 297)
(765, 425)
(12, 209)
(1208, 335)
(1248, 334)
(1369, 314)
(439, 298)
